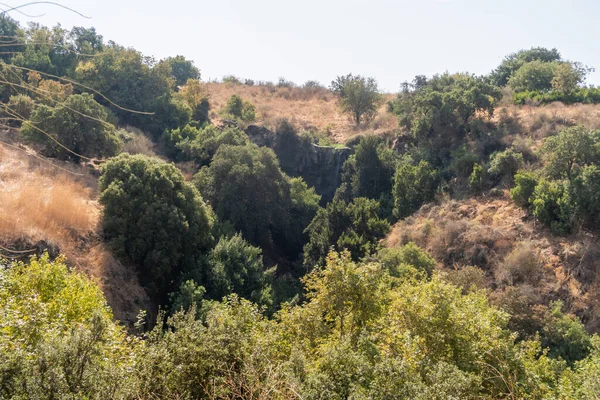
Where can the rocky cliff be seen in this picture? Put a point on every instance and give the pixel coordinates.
(319, 166)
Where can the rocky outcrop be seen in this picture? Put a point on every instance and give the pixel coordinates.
(319, 166)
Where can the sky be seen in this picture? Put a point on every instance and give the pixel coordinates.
(302, 40)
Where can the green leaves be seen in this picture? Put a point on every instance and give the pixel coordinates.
(78, 126)
(359, 96)
(153, 218)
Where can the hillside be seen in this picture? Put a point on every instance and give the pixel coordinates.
(48, 205)
(309, 108)
(166, 238)
(524, 264)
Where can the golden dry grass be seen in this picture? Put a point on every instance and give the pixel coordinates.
(40, 202)
(43, 203)
(305, 107)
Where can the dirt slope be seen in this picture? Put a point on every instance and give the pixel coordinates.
(54, 208)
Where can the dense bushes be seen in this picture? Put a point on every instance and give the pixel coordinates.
(78, 127)
(234, 266)
(245, 186)
(579, 95)
(355, 226)
(238, 110)
(413, 186)
(153, 218)
(360, 333)
(58, 339)
(565, 194)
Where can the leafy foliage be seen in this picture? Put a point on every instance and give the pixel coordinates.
(132, 82)
(153, 218)
(234, 266)
(245, 186)
(182, 69)
(513, 62)
(238, 109)
(79, 125)
(413, 186)
(359, 96)
(57, 336)
(438, 112)
(354, 226)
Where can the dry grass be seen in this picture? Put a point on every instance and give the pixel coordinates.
(139, 143)
(42, 203)
(512, 249)
(308, 108)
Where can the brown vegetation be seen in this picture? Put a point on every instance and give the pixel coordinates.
(519, 257)
(53, 208)
(308, 108)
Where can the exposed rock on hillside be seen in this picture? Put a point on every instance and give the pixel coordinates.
(319, 166)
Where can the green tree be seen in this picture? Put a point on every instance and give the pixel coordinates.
(566, 78)
(131, 82)
(235, 266)
(153, 218)
(438, 112)
(505, 164)
(370, 170)
(182, 69)
(522, 192)
(552, 204)
(511, 63)
(77, 127)
(414, 185)
(86, 41)
(564, 335)
(359, 96)
(586, 193)
(397, 261)
(58, 337)
(354, 226)
(533, 76)
(202, 145)
(245, 186)
(572, 148)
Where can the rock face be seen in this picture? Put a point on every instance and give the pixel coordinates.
(319, 166)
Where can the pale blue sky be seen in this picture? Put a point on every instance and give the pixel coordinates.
(319, 39)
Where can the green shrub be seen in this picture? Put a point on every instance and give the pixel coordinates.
(203, 146)
(504, 165)
(171, 138)
(414, 185)
(76, 127)
(463, 162)
(534, 75)
(21, 105)
(477, 179)
(553, 206)
(58, 339)
(564, 335)
(571, 149)
(525, 183)
(395, 260)
(153, 218)
(586, 193)
(238, 109)
(246, 187)
(354, 226)
(236, 267)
